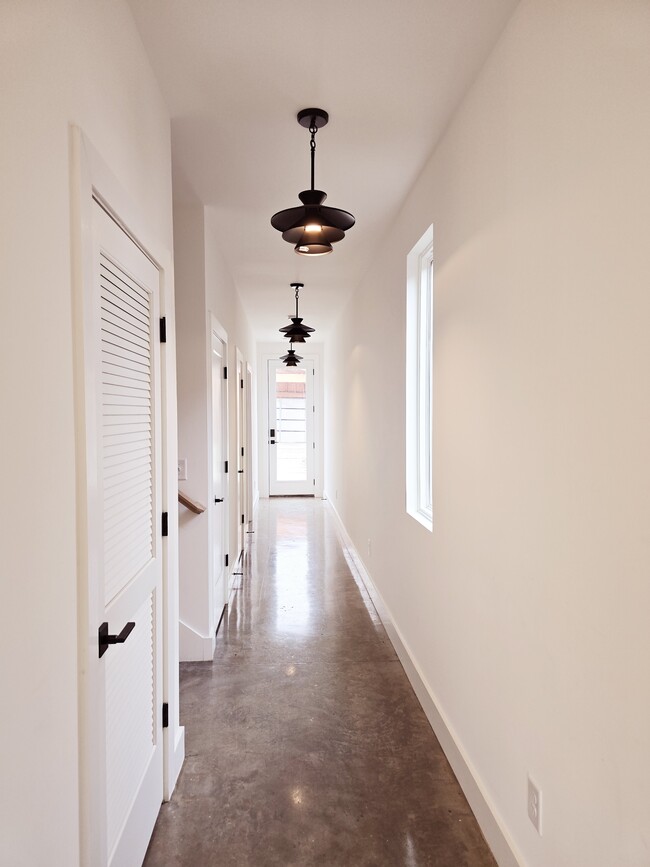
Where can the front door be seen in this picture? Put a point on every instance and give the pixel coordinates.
(291, 429)
(123, 409)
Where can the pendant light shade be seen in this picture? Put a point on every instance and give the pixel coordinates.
(291, 359)
(313, 227)
(297, 332)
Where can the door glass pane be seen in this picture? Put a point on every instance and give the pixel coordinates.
(291, 424)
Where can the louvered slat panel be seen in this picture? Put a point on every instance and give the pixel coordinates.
(115, 317)
(119, 376)
(128, 315)
(142, 487)
(130, 560)
(125, 290)
(116, 337)
(129, 513)
(116, 430)
(117, 277)
(125, 474)
(126, 427)
(132, 452)
(119, 322)
(133, 389)
(125, 487)
(129, 736)
(121, 535)
(128, 438)
(126, 554)
(122, 356)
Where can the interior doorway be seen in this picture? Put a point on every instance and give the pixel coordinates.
(291, 429)
(121, 668)
(242, 453)
(219, 495)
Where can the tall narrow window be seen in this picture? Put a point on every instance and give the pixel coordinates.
(419, 379)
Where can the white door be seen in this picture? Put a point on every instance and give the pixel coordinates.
(241, 454)
(291, 428)
(248, 475)
(219, 477)
(122, 372)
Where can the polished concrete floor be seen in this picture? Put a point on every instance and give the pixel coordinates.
(305, 744)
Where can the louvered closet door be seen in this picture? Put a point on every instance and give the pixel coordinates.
(131, 569)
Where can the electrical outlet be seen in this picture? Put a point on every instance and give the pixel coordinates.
(182, 469)
(535, 805)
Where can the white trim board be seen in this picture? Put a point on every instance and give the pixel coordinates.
(502, 846)
(195, 647)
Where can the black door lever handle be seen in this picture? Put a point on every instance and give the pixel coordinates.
(105, 639)
(240, 471)
(218, 499)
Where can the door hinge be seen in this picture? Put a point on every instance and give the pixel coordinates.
(242, 451)
(165, 715)
(226, 559)
(226, 467)
(241, 383)
(165, 524)
(163, 329)
(242, 519)
(314, 480)
(225, 373)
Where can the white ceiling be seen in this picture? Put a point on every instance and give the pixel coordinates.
(234, 73)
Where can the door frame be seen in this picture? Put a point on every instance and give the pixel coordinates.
(242, 460)
(272, 352)
(248, 389)
(91, 178)
(216, 329)
(296, 487)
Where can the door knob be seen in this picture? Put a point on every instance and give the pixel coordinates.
(105, 639)
(218, 499)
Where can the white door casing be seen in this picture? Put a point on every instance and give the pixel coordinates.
(241, 453)
(219, 492)
(124, 549)
(248, 391)
(291, 409)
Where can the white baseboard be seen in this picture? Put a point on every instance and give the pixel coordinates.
(497, 837)
(175, 759)
(194, 647)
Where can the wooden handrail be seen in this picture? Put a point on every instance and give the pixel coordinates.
(193, 506)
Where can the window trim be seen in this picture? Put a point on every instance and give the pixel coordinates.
(419, 380)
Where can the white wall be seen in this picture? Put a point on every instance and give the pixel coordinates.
(203, 287)
(527, 608)
(61, 62)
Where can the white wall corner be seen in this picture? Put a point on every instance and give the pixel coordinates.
(501, 844)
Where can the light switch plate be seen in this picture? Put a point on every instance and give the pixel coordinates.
(182, 469)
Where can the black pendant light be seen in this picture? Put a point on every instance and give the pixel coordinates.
(312, 228)
(297, 332)
(291, 359)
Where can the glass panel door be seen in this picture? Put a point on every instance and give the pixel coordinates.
(291, 424)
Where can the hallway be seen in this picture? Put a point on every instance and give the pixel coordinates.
(305, 742)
